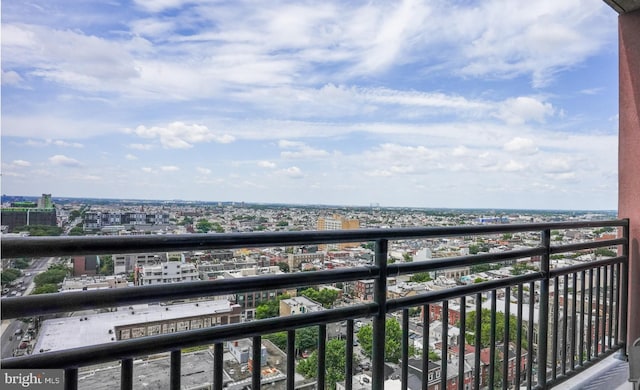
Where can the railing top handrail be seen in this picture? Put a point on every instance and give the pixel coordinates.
(13, 247)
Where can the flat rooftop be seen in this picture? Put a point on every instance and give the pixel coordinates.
(90, 329)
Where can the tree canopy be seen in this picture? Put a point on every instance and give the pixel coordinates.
(271, 308)
(485, 330)
(392, 340)
(335, 363)
(326, 297)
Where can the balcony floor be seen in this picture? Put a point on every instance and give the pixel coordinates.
(611, 373)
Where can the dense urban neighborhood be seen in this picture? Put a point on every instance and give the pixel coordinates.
(447, 328)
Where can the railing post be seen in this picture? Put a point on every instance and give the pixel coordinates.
(543, 321)
(379, 320)
(624, 293)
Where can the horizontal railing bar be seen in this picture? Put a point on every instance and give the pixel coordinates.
(462, 261)
(457, 292)
(586, 245)
(13, 247)
(102, 353)
(586, 266)
(83, 300)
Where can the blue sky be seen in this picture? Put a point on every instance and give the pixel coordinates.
(479, 104)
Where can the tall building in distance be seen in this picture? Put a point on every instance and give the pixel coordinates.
(22, 214)
(338, 222)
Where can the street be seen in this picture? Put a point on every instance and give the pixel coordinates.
(10, 341)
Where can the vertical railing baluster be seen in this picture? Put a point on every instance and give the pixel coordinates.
(583, 284)
(565, 320)
(505, 347)
(257, 362)
(291, 359)
(462, 342)
(492, 342)
(612, 301)
(574, 329)
(543, 320)
(322, 355)
(218, 366)
(71, 379)
(596, 328)
(519, 338)
(445, 344)
(349, 368)
(379, 319)
(126, 374)
(176, 368)
(556, 316)
(616, 325)
(603, 338)
(426, 319)
(624, 291)
(530, 323)
(590, 317)
(478, 340)
(405, 349)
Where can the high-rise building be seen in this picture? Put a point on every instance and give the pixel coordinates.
(337, 222)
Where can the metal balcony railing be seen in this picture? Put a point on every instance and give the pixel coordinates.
(570, 316)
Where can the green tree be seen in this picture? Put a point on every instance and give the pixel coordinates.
(271, 308)
(54, 275)
(326, 297)
(21, 263)
(605, 252)
(306, 338)
(279, 339)
(10, 274)
(407, 258)
(485, 330)
(335, 363)
(76, 231)
(420, 277)
(392, 340)
(48, 288)
(40, 230)
(284, 267)
(106, 265)
(204, 226)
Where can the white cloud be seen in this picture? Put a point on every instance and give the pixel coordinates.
(130, 157)
(169, 168)
(179, 135)
(63, 160)
(48, 142)
(67, 144)
(140, 146)
(21, 163)
(301, 150)
(11, 78)
(266, 164)
(517, 111)
(514, 166)
(556, 165)
(147, 170)
(460, 151)
(521, 146)
(204, 171)
(292, 172)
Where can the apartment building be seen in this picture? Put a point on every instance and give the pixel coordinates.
(337, 223)
(168, 272)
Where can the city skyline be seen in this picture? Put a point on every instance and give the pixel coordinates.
(403, 104)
